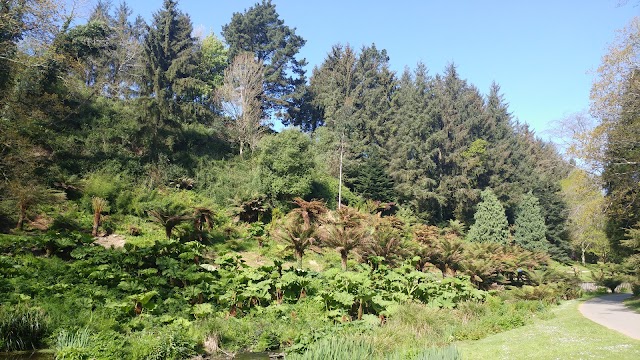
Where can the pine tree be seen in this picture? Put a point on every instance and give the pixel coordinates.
(530, 227)
(490, 221)
(260, 30)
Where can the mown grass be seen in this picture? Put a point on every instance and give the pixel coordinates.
(568, 335)
(583, 272)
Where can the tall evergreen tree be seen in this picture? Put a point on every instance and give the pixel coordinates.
(370, 179)
(490, 221)
(413, 148)
(459, 116)
(168, 87)
(352, 92)
(260, 30)
(530, 227)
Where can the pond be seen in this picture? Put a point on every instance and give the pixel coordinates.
(24, 355)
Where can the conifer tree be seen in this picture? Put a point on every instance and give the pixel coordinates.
(168, 85)
(490, 221)
(530, 227)
(413, 146)
(260, 30)
(371, 180)
(352, 92)
(459, 115)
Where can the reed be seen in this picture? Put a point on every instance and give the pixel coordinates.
(22, 328)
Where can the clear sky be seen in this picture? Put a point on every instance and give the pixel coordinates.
(540, 52)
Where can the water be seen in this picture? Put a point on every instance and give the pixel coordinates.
(25, 355)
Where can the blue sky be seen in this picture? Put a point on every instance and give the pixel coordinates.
(540, 52)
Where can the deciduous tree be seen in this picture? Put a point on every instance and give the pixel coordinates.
(240, 97)
(587, 219)
(260, 30)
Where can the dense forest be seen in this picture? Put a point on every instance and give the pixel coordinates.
(428, 188)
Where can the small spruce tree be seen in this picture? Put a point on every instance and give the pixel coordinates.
(530, 226)
(490, 221)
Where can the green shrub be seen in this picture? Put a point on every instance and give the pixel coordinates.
(635, 289)
(610, 283)
(15, 244)
(102, 184)
(22, 328)
(545, 293)
(609, 276)
(171, 342)
(68, 222)
(109, 345)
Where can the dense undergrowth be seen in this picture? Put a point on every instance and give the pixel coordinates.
(175, 299)
(196, 276)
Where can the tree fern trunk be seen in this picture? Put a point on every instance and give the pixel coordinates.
(343, 257)
(299, 258)
(96, 224)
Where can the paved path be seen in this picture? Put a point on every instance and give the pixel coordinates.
(609, 311)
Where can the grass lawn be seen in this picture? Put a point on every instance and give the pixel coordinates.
(633, 303)
(566, 335)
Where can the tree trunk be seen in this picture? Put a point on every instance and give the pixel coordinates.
(443, 270)
(20, 224)
(583, 257)
(299, 257)
(343, 256)
(360, 310)
(22, 217)
(168, 229)
(96, 224)
(340, 176)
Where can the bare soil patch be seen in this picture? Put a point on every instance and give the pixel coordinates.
(111, 241)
